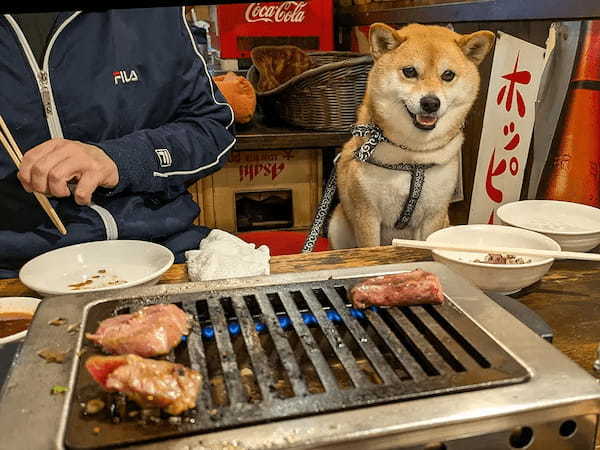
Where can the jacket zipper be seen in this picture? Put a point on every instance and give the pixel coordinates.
(43, 80)
(53, 124)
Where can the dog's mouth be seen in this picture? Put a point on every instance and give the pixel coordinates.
(423, 121)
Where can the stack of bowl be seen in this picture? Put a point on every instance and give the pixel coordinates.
(574, 226)
(532, 224)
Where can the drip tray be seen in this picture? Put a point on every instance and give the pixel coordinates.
(279, 352)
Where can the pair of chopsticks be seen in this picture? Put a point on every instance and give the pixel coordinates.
(15, 154)
(506, 250)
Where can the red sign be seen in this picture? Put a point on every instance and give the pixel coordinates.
(306, 24)
(282, 13)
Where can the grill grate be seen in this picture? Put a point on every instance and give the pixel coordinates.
(269, 353)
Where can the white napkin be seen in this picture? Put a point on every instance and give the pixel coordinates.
(223, 255)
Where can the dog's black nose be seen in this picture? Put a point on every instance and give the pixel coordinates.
(430, 103)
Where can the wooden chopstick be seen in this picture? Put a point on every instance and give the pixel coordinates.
(8, 142)
(505, 250)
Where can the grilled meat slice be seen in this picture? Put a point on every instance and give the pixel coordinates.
(148, 382)
(402, 289)
(151, 331)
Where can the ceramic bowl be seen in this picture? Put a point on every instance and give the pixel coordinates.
(96, 266)
(574, 226)
(503, 278)
(17, 304)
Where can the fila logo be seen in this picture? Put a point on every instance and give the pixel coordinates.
(124, 77)
(164, 157)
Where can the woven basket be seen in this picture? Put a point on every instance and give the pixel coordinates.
(325, 97)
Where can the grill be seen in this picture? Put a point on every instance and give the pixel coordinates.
(287, 362)
(273, 353)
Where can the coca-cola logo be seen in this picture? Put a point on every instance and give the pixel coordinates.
(285, 12)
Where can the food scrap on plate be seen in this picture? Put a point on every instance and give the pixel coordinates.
(501, 258)
(102, 278)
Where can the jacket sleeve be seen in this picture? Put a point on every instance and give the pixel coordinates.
(194, 144)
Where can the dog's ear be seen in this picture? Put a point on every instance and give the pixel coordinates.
(476, 45)
(383, 38)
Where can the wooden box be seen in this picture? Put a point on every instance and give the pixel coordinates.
(292, 175)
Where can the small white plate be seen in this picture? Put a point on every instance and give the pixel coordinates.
(574, 226)
(21, 305)
(96, 266)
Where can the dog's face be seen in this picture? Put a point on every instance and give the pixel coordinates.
(425, 78)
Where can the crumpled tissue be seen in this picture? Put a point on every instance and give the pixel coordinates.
(223, 255)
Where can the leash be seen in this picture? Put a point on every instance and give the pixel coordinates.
(364, 154)
(322, 211)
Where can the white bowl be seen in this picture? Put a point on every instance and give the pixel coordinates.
(96, 266)
(504, 278)
(574, 226)
(21, 305)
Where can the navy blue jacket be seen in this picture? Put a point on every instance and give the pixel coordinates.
(132, 83)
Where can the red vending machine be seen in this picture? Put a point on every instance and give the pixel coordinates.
(305, 24)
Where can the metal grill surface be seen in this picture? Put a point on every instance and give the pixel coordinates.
(278, 352)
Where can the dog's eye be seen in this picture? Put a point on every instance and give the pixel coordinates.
(448, 75)
(409, 72)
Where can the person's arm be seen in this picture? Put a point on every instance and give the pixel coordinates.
(192, 145)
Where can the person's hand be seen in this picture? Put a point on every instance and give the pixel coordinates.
(48, 167)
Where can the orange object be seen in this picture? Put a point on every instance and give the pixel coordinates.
(239, 93)
(572, 171)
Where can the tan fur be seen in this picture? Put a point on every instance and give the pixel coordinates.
(372, 198)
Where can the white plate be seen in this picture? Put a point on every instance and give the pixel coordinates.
(96, 266)
(17, 304)
(574, 226)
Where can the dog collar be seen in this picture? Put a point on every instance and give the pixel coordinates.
(376, 137)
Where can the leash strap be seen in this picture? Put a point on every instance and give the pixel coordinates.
(417, 179)
(322, 211)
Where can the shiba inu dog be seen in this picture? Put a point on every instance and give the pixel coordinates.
(422, 85)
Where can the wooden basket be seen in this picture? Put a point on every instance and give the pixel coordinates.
(325, 97)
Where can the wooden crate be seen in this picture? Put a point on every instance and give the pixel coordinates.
(299, 171)
(193, 190)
